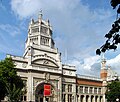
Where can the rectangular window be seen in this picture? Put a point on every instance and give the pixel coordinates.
(86, 89)
(69, 88)
(24, 96)
(44, 30)
(44, 41)
(63, 87)
(95, 90)
(34, 30)
(63, 97)
(76, 89)
(99, 91)
(90, 90)
(81, 89)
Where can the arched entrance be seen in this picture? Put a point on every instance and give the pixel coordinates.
(39, 93)
(87, 98)
(82, 98)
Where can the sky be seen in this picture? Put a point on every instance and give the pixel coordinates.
(79, 27)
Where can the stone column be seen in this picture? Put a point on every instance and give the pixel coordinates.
(89, 99)
(98, 99)
(94, 99)
(74, 92)
(83, 89)
(103, 99)
(84, 98)
(30, 87)
(66, 98)
(88, 89)
(60, 90)
(44, 99)
(79, 98)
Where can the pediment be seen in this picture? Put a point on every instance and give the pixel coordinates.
(45, 62)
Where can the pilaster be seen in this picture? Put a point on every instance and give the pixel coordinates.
(30, 86)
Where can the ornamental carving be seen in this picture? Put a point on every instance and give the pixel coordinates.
(47, 76)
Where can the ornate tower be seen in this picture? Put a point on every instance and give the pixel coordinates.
(39, 34)
(103, 76)
(103, 72)
(40, 43)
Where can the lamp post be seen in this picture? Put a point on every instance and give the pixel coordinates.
(117, 99)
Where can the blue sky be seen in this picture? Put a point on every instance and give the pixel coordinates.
(79, 27)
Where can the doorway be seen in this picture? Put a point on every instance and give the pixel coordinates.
(39, 94)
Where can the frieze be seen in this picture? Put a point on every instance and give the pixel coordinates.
(44, 56)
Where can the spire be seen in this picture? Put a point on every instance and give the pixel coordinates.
(40, 14)
(103, 72)
(103, 61)
(32, 21)
(103, 57)
(48, 22)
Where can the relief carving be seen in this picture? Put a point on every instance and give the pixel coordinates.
(47, 76)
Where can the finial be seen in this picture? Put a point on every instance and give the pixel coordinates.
(103, 57)
(109, 67)
(48, 22)
(32, 21)
(40, 14)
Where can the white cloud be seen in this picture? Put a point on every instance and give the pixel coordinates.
(114, 60)
(87, 65)
(25, 8)
(88, 62)
(115, 63)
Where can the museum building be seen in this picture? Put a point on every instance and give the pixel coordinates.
(47, 79)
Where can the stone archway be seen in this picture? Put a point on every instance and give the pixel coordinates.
(39, 93)
(92, 98)
(87, 98)
(82, 98)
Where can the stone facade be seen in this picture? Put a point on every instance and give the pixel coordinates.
(41, 65)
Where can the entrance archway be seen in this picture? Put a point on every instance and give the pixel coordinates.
(39, 93)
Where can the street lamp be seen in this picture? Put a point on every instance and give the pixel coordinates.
(117, 100)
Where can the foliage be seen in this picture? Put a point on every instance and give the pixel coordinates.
(113, 91)
(113, 36)
(10, 82)
(115, 3)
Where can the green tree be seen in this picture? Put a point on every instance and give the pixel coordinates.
(11, 84)
(113, 91)
(113, 36)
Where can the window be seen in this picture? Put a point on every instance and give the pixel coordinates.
(24, 96)
(34, 40)
(90, 90)
(95, 90)
(99, 91)
(86, 89)
(44, 30)
(44, 41)
(81, 89)
(63, 88)
(69, 88)
(76, 89)
(34, 30)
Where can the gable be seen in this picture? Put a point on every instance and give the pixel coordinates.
(45, 62)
